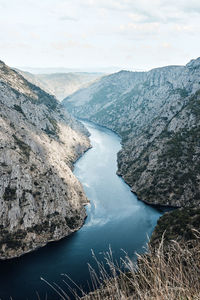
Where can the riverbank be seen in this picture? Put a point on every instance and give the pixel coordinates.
(159, 206)
(114, 215)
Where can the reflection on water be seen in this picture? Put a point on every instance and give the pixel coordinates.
(115, 218)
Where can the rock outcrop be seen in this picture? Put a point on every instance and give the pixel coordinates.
(181, 225)
(40, 198)
(157, 114)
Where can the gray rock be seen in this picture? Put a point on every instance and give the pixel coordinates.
(157, 115)
(40, 198)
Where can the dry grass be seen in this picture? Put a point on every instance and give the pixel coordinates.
(168, 272)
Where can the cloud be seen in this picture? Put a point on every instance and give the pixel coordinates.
(139, 33)
(188, 7)
(141, 28)
(183, 28)
(34, 36)
(61, 46)
(3, 3)
(138, 18)
(166, 45)
(145, 11)
(68, 18)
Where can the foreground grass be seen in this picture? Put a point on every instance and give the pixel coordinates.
(170, 271)
(167, 272)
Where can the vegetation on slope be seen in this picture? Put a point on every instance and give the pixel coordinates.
(157, 115)
(166, 170)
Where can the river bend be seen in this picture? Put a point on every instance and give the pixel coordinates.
(115, 219)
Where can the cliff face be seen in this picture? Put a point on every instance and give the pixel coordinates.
(40, 198)
(158, 117)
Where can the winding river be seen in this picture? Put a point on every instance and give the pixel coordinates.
(115, 219)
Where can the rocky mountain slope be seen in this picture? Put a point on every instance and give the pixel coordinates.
(40, 198)
(182, 225)
(61, 85)
(157, 114)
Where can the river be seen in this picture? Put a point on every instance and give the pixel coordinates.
(115, 219)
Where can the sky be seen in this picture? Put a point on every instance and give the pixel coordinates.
(127, 34)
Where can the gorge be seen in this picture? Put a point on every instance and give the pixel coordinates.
(156, 115)
(115, 218)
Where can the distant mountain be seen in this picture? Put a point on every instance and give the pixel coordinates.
(157, 114)
(40, 198)
(61, 84)
(52, 70)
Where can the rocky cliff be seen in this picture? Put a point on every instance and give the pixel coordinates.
(40, 198)
(157, 114)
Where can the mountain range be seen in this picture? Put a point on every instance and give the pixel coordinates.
(157, 115)
(61, 85)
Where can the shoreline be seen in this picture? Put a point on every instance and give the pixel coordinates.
(61, 237)
(160, 207)
(97, 124)
(52, 241)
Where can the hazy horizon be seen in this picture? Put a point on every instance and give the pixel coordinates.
(103, 70)
(50, 70)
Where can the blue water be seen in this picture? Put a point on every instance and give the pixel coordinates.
(115, 219)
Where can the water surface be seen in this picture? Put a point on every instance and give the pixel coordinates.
(115, 219)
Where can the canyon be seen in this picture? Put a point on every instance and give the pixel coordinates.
(156, 114)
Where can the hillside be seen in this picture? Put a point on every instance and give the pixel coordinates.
(157, 115)
(61, 85)
(40, 198)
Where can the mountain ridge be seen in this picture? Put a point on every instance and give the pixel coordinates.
(61, 84)
(149, 110)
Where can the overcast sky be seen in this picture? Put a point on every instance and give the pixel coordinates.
(129, 34)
